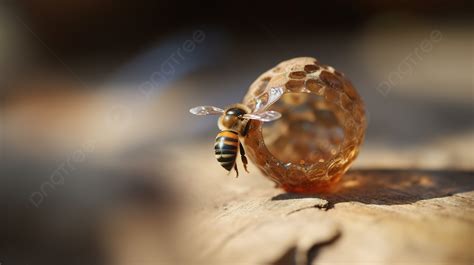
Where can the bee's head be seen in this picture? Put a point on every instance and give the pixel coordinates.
(232, 117)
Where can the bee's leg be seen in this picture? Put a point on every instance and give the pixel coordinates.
(236, 170)
(246, 128)
(243, 157)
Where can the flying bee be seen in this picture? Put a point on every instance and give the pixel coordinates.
(233, 122)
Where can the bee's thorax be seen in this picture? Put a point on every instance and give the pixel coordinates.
(232, 119)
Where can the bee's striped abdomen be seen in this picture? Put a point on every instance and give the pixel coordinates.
(226, 147)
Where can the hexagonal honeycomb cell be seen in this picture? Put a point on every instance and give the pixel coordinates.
(321, 130)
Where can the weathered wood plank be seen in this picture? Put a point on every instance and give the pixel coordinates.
(381, 216)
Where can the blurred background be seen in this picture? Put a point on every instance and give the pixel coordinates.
(95, 98)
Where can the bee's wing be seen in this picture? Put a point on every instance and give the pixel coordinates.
(206, 110)
(265, 116)
(271, 95)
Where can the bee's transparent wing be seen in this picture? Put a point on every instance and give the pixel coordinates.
(206, 110)
(267, 98)
(265, 116)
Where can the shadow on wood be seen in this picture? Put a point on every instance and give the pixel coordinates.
(394, 186)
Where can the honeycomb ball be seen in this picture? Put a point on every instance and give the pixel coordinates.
(320, 132)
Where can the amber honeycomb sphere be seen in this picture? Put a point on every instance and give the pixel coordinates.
(321, 130)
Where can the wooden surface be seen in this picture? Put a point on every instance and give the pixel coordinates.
(377, 217)
(385, 212)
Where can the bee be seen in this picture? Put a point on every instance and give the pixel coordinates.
(234, 122)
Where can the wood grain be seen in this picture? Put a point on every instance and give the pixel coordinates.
(378, 216)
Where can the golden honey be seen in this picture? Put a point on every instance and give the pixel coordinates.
(320, 132)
